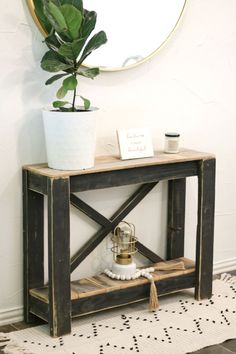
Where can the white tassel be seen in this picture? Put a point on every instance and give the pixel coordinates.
(153, 299)
(227, 278)
(170, 265)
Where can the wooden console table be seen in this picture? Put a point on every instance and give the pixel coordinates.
(60, 300)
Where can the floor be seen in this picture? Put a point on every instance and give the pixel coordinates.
(223, 348)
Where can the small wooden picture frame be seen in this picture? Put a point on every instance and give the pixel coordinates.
(135, 143)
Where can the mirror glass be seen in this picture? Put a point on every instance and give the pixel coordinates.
(135, 30)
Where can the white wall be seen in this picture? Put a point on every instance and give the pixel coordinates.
(189, 87)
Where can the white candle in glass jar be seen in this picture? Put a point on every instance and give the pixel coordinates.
(172, 143)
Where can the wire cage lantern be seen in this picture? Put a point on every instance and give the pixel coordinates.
(124, 247)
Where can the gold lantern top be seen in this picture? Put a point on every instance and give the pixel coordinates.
(124, 243)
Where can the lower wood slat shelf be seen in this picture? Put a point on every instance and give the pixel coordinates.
(101, 292)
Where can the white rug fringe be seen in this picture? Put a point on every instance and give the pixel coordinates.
(15, 349)
(4, 340)
(227, 278)
(10, 346)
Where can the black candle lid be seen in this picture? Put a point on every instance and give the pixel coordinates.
(172, 135)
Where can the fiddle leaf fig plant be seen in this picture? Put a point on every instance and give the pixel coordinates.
(69, 27)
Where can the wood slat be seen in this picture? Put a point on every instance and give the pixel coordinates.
(130, 295)
(33, 243)
(102, 284)
(176, 218)
(59, 259)
(138, 175)
(110, 163)
(205, 230)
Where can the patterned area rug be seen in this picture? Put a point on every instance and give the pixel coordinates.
(181, 325)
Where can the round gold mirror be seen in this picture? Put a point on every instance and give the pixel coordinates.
(136, 31)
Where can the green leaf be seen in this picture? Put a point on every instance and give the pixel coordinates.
(54, 78)
(76, 3)
(51, 54)
(90, 73)
(73, 18)
(71, 50)
(88, 24)
(70, 83)
(77, 46)
(53, 65)
(53, 62)
(66, 51)
(86, 103)
(61, 92)
(52, 42)
(95, 42)
(58, 104)
(55, 16)
(39, 12)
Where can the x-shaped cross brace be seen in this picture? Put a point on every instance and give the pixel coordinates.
(108, 225)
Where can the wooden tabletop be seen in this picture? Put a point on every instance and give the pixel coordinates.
(112, 163)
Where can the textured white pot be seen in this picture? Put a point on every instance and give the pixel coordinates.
(70, 139)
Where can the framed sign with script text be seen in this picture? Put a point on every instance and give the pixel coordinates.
(135, 143)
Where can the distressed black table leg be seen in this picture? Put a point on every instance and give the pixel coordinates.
(205, 229)
(176, 218)
(33, 242)
(59, 256)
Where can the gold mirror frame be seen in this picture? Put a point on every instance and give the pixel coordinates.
(31, 8)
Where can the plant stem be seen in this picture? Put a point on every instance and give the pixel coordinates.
(74, 94)
(73, 102)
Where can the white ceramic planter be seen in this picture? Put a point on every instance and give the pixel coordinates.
(70, 139)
